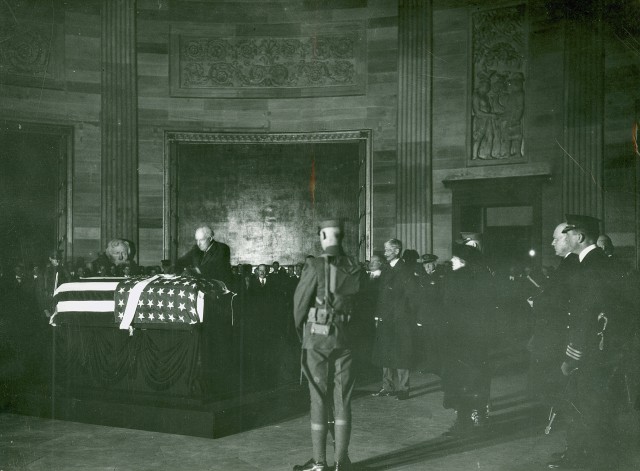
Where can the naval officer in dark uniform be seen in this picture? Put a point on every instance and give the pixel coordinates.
(548, 343)
(322, 309)
(589, 360)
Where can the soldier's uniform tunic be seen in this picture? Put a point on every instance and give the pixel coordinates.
(327, 359)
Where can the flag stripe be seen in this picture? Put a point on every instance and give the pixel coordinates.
(104, 285)
(84, 296)
(86, 306)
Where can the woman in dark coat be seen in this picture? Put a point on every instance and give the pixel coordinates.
(469, 316)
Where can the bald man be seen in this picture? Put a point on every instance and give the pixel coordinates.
(207, 258)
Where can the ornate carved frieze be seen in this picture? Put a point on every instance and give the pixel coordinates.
(30, 53)
(498, 81)
(322, 63)
(228, 138)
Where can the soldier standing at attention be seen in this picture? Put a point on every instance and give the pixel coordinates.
(322, 309)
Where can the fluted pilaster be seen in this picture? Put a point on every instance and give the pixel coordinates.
(584, 119)
(414, 216)
(119, 121)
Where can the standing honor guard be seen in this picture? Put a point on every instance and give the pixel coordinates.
(322, 308)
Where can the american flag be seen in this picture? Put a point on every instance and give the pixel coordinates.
(162, 301)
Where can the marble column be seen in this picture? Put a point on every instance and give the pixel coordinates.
(584, 119)
(119, 121)
(413, 195)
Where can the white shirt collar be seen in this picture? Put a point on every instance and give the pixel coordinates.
(376, 273)
(393, 262)
(586, 250)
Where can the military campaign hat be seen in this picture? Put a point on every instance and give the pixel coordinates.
(578, 222)
(336, 222)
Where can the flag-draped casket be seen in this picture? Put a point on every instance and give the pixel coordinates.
(157, 339)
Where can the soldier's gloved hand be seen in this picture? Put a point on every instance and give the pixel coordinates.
(567, 368)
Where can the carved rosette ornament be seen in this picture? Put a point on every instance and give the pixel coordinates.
(498, 79)
(25, 52)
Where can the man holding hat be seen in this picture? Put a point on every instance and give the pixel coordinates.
(323, 305)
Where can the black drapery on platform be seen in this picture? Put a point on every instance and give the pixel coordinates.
(158, 362)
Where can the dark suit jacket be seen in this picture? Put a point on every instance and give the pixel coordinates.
(396, 311)
(214, 264)
(589, 297)
(348, 277)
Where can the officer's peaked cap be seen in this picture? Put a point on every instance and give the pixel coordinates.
(579, 222)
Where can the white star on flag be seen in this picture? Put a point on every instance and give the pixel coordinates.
(181, 307)
(185, 282)
(141, 316)
(161, 291)
(191, 297)
(193, 285)
(171, 318)
(121, 315)
(177, 282)
(150, 290)
(170, 305)
(121, 302)
(170, 293)
(193, 311)
(161, 316)
(140, 303)
(150, 302)
(160, 304)
(121, 290)
(181, 294)
(150, 316)
(182, 318)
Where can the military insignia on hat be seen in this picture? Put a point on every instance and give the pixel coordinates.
(579, 222)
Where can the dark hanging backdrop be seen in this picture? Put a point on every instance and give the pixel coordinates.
(28, 196)
(265, 200)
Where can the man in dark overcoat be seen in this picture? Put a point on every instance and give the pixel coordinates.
(396, 323)
(428, 336)
(469, 302)
(207, 258)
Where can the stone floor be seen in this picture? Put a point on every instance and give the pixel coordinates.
(387, 434)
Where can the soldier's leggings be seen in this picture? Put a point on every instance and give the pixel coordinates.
(324, 368)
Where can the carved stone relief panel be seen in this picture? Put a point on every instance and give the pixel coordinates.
(325, 62)
(498, 85)
(31, 53)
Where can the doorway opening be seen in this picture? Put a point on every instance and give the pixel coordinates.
(35, 163)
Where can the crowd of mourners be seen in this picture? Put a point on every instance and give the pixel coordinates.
(416, 313)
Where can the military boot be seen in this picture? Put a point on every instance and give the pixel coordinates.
(311, 465)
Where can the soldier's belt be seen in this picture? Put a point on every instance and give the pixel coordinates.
(320, 315)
